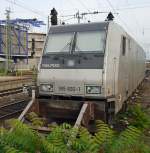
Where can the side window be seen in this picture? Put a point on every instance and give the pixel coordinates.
(123, 46)
(129, 44)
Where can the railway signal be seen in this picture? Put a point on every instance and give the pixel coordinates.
(110, 17)
(54, 17)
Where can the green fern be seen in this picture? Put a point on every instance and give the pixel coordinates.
(22, 137)
(104, 133)
(66, 139)
(35, 120)
(8, 149)
(84, 142)
(138, 117)
(4, 146)
(125, 141)
(48, 147)
(59, 137)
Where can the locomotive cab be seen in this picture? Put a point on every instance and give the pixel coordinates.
(73, 61)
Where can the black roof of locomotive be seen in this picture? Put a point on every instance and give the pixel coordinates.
(79, 27)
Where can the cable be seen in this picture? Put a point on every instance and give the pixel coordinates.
(68, 19)
(84, 5)
(132, 8)
(26, 8)
(71, 4)
(121, 18)
(111, 5)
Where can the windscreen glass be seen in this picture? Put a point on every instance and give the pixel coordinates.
(91, 41)
(59, 42)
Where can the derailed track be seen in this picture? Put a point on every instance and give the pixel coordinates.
(83, 117)
(60, 108)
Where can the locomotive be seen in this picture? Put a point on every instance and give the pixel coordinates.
(95, 62)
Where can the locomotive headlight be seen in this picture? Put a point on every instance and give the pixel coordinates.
(47, 87)
(93, 89)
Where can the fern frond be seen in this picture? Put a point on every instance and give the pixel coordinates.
(84, 143)
(140, 118)
(58, 137)
(104, 134)
(48, 147)
(35, 120)
(126, 140)
(22, 137)
(8, 149)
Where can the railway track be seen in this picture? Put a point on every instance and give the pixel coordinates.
(11, 91)
(11, 85)
(12, 109)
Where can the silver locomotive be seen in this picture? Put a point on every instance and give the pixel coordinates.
(96, 62)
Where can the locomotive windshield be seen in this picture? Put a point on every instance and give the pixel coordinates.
(59, 42)
(90, 41)
(77, 46)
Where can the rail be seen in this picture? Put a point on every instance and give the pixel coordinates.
(8, 84)
(12, 109)
(11, 91)
(27, 108)
(86, 114)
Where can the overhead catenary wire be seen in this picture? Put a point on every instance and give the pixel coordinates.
(80, 16)
(71, 4)
(27, 8)
(137, 6)
(132, 8)
(128, 28)
(80, 1)
(69, 19)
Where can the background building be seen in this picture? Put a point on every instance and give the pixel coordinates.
(35, 47)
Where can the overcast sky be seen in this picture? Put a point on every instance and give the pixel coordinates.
(134, 15)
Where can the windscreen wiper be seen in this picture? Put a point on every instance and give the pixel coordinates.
(69, 44)
(73, 46)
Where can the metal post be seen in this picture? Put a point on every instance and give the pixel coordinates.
(0, 39)
(78, 16)
(27, 45)
(8, 42)
(19, 40)
(33, 94)
(48, 19)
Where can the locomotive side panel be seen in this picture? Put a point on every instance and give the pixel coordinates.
(111, 63)
(124, 65)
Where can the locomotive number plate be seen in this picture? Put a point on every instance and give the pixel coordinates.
(69, 89)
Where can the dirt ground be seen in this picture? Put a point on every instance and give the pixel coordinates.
(143, 94)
